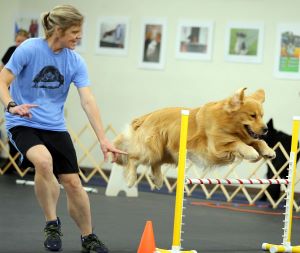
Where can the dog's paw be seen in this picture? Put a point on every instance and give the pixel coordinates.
(269, 153)
(255, 161)
(131, 178)
(251, 154)
(158, 181)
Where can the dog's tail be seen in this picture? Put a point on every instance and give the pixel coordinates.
(122, 142)
(136, 123)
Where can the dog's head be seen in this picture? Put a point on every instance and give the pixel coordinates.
(246, 113)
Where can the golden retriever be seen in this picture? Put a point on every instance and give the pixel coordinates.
(218, 133)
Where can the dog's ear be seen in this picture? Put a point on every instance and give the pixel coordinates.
(234, 103)
(259, 95)
(270, 124)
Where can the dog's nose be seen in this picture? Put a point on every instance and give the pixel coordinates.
(265, 130)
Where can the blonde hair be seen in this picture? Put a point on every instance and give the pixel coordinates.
(64, 16)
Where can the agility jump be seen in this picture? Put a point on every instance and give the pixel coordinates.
(181, 181)
(288, 214)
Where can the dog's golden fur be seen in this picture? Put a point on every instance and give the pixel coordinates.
(218, 132)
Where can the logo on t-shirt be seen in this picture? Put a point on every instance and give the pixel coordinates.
(49, 78)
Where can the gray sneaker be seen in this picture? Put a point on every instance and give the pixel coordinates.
(52, 235)
(91, 244)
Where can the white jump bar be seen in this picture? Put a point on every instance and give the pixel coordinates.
(229, 181)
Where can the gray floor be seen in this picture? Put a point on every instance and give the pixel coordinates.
(120, 221)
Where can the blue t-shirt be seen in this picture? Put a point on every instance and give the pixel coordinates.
(43, 78)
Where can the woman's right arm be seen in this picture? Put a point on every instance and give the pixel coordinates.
(6, 78)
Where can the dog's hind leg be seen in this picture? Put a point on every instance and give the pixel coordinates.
(130, 172)
(157, 176)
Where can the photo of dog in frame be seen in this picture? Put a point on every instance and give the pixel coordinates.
(218, 133)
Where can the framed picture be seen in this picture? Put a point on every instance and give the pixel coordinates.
(194, 40)
(287, 61)
(30, 23)
(244, 42)
(112, 35)
(153, 43)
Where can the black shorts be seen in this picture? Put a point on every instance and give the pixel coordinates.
(59, 145)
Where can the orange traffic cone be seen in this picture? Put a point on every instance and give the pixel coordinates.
(147, 244)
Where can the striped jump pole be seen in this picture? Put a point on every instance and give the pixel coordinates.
(229, 181)
(288, 220)
(177, 230)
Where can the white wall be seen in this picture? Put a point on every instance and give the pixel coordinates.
(124, 91)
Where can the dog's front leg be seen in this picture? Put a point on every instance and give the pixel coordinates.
(247, 152)
(262, 148)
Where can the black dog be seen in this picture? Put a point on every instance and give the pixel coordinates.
(272, 138)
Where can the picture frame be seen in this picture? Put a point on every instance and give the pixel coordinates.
(112, 35)
(287, 55)
(194, 40)
(153, 43)
(244, 42)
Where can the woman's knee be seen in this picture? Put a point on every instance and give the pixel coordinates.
(41, 159)
(71, 182)
(44, 165)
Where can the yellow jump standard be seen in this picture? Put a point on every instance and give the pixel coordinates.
(176, 246)
(288, 220)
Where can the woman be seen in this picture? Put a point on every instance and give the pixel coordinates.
(21, 36)
(40, 73)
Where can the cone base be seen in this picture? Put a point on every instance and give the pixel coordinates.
(174, 251)
(273, 248)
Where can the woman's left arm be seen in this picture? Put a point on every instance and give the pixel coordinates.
(92, 111)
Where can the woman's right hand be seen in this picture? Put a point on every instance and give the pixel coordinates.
(22, 110)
